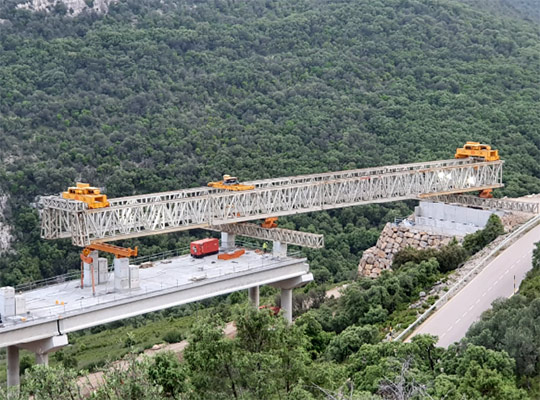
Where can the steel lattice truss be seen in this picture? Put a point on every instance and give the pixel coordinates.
(500, 204)
(203, 207)
(287, 236)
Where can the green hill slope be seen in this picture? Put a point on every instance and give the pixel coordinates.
(164, 95)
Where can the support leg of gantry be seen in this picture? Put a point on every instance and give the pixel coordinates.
(279, 249)
(13, 366)
(254, 296)
(286, 287)
(90, 270)
(228, 241)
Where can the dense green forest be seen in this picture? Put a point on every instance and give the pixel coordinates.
(160, 95)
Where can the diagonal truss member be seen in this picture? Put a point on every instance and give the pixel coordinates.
(286, 236)
(158, 213)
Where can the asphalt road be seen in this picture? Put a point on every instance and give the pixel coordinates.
(451, 321)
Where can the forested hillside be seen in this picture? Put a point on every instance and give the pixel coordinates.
(161, 95)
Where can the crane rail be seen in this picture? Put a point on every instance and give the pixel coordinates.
(157, 213)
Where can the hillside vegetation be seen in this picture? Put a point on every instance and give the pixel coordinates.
(164, 95)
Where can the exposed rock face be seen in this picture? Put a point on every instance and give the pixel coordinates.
(394, 238)
(74, 7)
(5, 232)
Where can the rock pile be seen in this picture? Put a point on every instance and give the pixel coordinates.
(394, 238)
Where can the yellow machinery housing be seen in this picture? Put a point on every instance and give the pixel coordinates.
(476, 149)
(269, 223)
(88, 194)
(230, 183)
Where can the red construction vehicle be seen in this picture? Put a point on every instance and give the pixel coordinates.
(204, 247)
(273, 309)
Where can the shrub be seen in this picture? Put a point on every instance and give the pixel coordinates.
(173, 336)
(480, 239)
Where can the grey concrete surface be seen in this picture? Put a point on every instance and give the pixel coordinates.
(449, 220)
(65, 308)
(451, 322)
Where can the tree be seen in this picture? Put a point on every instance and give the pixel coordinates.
(350, 340)
(267, 356)
(485, 373)
(510, 326)
(166, 371)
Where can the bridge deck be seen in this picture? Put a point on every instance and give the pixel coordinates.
(172, 277)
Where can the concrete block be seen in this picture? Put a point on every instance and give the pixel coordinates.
(87, 280)
(7, 301)
(20, 305)
(227, 241)
(9, 309)
(7, 291)
(134, 283)
(121, 268)
(103, 271)
(121, 283)
(133, 272)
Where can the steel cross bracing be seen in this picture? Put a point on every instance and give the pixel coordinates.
(500, 204)
(287, 236)
(202, 207)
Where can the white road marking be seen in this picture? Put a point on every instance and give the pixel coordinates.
(457, 321)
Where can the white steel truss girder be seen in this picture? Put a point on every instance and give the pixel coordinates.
(287, 236)
(500, 204)
(201, 207)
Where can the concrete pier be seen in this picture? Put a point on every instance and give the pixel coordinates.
(42, 359)
(13, 366)
(286, 287)
(286, 304)
(41, 348)
(253, 293)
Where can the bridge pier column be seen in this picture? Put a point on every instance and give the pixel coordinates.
(286, 304)
(13, 366)
(42, 358)
(228, 241)
(253, 293)
(286, 287)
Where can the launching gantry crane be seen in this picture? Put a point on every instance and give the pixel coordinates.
(90, 219)
(482, 152)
